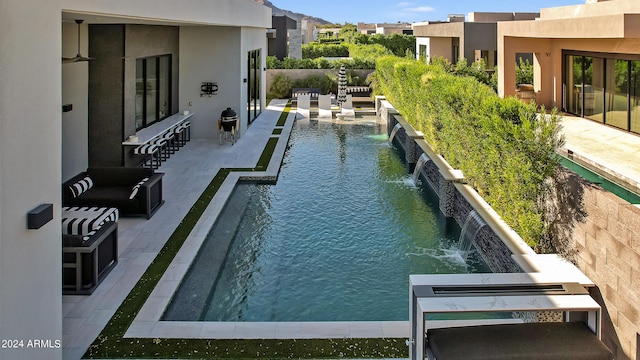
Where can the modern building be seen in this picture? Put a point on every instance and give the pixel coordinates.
(586, 60)
(366, 28)
(173, 45)
(456, 38)
(279, 36)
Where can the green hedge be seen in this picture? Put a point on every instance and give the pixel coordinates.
(319, 63)
(315, 50)
(506, 151)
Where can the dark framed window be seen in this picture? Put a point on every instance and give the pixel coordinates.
(253, 91)
(603, 87)
(153, 90)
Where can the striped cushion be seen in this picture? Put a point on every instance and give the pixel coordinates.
(135, 188)
(79, 220)
(81, 186)
(145, 149)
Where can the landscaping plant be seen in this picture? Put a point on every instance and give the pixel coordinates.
(505, 148)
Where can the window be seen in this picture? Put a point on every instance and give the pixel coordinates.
(603, 87)
(422, 52)
(253, 92)
(153, 90)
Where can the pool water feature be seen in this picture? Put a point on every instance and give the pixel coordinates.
(335, 239)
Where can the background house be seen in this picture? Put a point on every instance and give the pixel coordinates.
(585, 60)
(456, 38)
(220, 40)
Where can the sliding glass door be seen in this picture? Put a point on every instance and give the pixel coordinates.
(604, 88)
(253, 92)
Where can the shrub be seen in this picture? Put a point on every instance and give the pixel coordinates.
(316, 50)
(524, 72)
(396, 43)
(504, 147)
(368, 52)
(326, 83)
(319, 63)
(281, 86)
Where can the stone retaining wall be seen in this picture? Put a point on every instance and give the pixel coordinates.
(437, 174)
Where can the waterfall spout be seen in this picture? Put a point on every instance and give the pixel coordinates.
(472, 225)
(393, 133)
(422, 161)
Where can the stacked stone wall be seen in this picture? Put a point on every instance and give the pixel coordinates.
(607, 244)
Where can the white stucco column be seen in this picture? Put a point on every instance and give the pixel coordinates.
(30, 171)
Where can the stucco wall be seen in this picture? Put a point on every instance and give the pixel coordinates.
(211, 55)
(440, 47)
(75, 79)
(30, 172)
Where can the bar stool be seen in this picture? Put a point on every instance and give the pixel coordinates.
(150, 150)
(179, 133)
(187, 130)
(171, 141)
(163, 147)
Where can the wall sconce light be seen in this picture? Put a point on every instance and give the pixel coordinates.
(208, 88)
(39, 216)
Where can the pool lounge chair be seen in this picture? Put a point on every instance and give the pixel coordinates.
(347, 108)
(304, 104)
(324, 106)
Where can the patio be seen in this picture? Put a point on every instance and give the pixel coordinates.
(187, 175)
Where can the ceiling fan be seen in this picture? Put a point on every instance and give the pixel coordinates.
(78, 57)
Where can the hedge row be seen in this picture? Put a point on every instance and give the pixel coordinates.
(315, 50)
(505, 149)
(319, 63)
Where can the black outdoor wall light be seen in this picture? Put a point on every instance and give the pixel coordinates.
(40, 215)
(208, 88)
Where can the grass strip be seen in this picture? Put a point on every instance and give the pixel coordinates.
(266, 155)
(111, 342)
(276, 132)
(283, 116)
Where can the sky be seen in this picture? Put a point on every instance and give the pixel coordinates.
(381, 11)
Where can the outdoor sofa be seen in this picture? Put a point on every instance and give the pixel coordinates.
(133, 191)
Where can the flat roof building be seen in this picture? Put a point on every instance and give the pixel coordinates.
(42, 145)
(585, 60)
(456, 38)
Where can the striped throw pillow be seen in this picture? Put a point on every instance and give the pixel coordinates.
(81, 186)
(135, 188)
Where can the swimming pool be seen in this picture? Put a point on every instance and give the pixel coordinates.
(333, 240)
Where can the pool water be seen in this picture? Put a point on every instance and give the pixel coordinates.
(335, 239)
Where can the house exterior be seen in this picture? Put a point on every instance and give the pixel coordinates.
(586, 60)
(279, 37)
(190, 41)
(456, 38)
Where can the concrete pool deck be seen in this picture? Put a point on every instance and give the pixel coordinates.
(187, 174)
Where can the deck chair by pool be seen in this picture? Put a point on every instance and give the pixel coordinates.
(304, 104)
(347, 108)
(324, 106)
